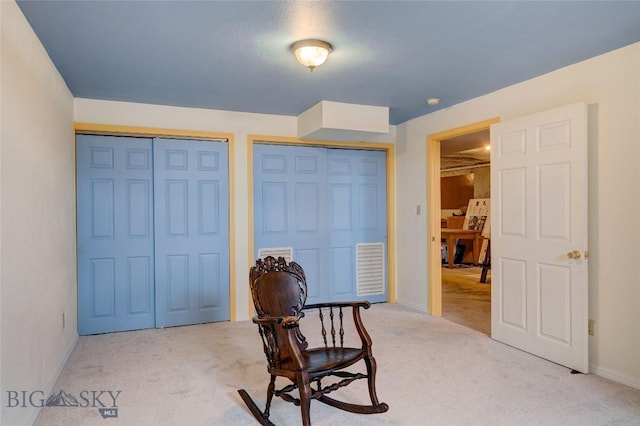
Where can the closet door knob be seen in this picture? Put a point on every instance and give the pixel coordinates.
(574, 254)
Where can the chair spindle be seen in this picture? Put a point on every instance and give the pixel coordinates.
(333, 328)
(324, 330)
(341, 329)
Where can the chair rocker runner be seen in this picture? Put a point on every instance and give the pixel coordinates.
(279, 292)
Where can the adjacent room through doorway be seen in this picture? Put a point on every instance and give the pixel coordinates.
(464, 189)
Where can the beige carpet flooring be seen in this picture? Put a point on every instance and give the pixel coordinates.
(431, 371)
(465, 300)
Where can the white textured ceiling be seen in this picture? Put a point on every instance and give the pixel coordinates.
(235, 55)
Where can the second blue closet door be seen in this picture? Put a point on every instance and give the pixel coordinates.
(191, 232)
(323, 204)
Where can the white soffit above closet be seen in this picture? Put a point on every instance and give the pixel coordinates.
(343, 122)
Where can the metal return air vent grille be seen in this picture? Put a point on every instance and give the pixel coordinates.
(286, 252)
(370, 269)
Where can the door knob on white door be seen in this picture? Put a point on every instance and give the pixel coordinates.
(574, 254)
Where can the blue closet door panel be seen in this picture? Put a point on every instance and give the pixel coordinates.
(209, 208)
(191, 231)
(177, 283)
(307, 207)
(342, 271)
(102, 286)
(115, 236)
(341, 207)
(290, 197)
(310, 258)
(102, 207)
(139, 273)
(138, 205)
(357, 205)
(275, 217)
(209, 283)
(176, 208)
(369, 202)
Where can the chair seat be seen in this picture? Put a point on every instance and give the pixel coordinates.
(322, 360)
(327, 359)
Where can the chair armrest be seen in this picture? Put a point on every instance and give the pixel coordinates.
(358, 304)
(357, 320)
(289, 345)
(286, 322)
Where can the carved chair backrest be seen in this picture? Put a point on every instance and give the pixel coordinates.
(278, 289)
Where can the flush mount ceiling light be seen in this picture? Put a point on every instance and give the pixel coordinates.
(433, 101)
(311, 53)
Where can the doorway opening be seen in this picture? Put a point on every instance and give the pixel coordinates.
(465, 191)
(456, 292)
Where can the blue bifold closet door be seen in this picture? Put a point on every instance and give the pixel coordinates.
(191, 232)
(152, 233)
(115, 234)
(325, 209)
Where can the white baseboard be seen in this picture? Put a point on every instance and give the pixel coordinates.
(412, 306)
(633, 382)
(54, 378)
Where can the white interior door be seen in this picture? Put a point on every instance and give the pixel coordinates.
(539, 235)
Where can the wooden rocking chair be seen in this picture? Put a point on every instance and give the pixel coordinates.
(279, 292)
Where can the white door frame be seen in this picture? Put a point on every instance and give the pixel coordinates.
(434, 256)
